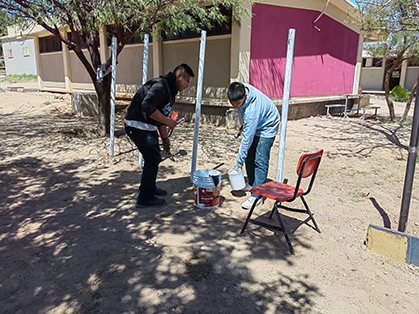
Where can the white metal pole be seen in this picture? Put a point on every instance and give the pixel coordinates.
(285, 103)
(198, 100)
(145, 68)
(113, 84)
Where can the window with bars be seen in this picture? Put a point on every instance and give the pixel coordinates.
(372, 62)
(413, 63)
(136, 39)
(216, 29)
(49, 44)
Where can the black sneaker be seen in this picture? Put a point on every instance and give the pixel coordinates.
(154, 202)
(160, 192)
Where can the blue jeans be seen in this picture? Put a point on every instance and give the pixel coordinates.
(257, 161)
(148, 145)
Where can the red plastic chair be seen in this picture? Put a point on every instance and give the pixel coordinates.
(281, 192)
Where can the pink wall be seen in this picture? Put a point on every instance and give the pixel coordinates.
(324, 62)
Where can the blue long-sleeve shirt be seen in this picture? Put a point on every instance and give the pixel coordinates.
(260, 118)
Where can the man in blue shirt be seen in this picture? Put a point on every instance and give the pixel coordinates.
(261, 121)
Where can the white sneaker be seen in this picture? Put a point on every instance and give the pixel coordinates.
(249, 203)
(247, 188)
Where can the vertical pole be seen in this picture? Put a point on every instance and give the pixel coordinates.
(410, 169)
(145, 68)
(198, 100)
(285, 103)
(113, 84)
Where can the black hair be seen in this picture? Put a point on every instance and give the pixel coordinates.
(184, 69)
(236, 91)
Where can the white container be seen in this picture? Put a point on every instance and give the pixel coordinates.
(236, 178)
(207, 186)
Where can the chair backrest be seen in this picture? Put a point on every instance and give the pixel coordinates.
(307, 166)
(308, 163)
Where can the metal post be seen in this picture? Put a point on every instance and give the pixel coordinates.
(285, 103)
(410, 169)
(113, 84)
(198, 100)
(145, 68)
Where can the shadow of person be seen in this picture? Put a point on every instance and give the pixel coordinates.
(238, 193)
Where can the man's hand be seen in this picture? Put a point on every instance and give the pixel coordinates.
(166, 146)
(171, 123)
(235, 166)
(158, 116)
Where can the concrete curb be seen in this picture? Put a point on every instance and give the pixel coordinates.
(394, 244)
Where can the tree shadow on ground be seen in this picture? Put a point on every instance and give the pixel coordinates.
(362, 139)
(72, 241)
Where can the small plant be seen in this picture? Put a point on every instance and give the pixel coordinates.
(399, 93)
(47, 103)
(405, 123)
(19, 78)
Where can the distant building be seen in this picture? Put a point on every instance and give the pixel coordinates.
(373, 73)
(327, 54)
(19, 55)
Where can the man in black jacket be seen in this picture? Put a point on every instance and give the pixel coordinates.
(147, 113)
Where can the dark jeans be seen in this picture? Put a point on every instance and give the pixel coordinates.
(257, 160)
(148, 144)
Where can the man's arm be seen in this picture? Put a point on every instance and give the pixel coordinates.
(165, 138)
(156, 96)
(249, 131)
(158, 116)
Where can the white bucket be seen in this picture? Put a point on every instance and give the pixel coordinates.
(236, 178)
(207, 186)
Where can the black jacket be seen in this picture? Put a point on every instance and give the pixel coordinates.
(156, 94)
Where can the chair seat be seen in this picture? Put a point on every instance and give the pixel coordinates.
(276, 191)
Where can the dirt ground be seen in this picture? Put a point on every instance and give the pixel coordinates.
(72, 241)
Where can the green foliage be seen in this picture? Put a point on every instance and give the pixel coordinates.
(395, 24)
(399, 93)
(19, 78)
(3, 23)
(129, 19)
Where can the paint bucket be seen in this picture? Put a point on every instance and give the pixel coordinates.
(236, 178)
(207, 186)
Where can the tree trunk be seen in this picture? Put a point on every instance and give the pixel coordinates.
(390, 103)
(103, 91)
(409, 101)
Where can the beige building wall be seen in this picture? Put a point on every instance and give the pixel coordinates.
(53, 69)
(216, 68)
(372, 79)
(411, 77)
(240, 49)
(79, 75)
(129, 70)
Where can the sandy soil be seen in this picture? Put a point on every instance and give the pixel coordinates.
(72, 241)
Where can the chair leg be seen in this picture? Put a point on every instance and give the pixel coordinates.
(310, 214)
(250, 212)
(283, 229)
(273, 209)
